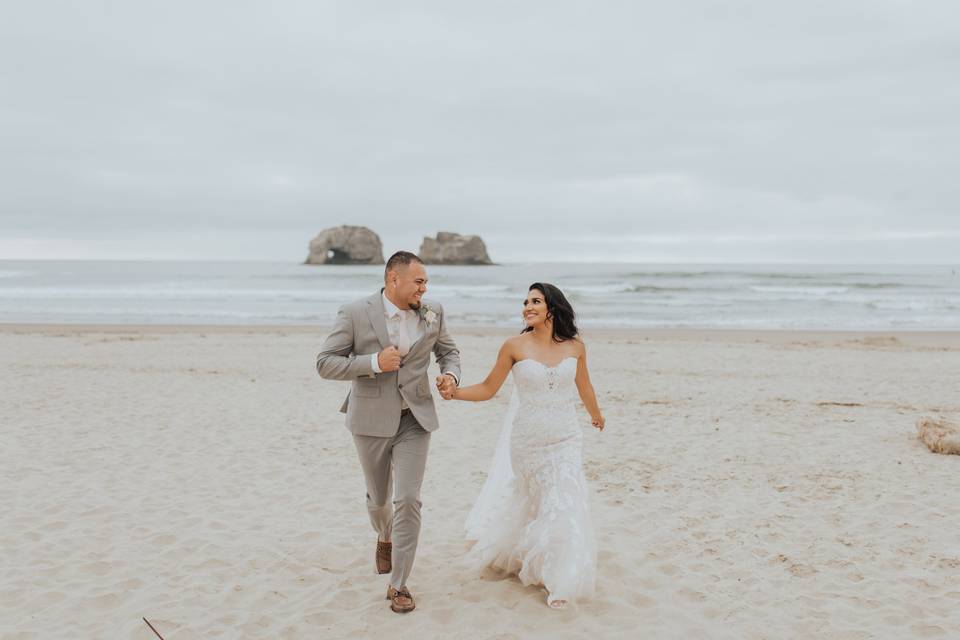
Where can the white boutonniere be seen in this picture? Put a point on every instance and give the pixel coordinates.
(428, 314)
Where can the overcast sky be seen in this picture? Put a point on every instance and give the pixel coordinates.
(735, 131)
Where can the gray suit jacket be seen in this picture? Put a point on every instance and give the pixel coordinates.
(373, 404)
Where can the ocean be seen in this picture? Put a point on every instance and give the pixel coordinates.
(854, 297)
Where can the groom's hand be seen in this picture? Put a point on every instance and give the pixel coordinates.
(389, 359)
(447, 385)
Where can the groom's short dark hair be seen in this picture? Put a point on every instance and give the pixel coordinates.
(400, 259)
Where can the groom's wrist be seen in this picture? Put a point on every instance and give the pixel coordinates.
(456, 380)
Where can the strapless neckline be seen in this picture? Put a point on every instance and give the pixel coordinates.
(545, 366)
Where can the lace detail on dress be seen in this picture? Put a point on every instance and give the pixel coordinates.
(542, 530)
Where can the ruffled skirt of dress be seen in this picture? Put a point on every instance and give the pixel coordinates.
(542, 531)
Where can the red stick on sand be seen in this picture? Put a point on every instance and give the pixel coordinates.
(152, 629)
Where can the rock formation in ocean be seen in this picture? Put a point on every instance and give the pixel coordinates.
(453, 248)
(940, 436)
(346, 244)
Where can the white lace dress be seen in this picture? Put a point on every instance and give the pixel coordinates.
(532, 518)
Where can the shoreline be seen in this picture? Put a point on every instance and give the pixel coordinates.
(911, 337)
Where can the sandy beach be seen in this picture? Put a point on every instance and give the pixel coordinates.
(748, 485)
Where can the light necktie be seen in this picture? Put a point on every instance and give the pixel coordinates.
(403, 336)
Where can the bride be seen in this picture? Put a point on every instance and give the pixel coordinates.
(532, 517)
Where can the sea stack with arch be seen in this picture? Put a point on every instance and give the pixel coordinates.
(346, 244)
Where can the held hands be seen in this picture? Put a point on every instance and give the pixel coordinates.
(598, 421)
(447, 386)
(389, 359)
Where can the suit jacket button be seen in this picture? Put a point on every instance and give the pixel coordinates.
(400, 386)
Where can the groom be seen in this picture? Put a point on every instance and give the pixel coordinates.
(382, 344)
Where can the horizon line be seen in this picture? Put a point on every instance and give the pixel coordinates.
(495, 264)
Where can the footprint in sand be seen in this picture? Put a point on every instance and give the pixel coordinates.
(443, 616)
(163, 539)
(691, 595)
(927, 631)
(795, 568)
(99, 568)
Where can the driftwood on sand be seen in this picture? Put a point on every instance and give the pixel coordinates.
(940, 436)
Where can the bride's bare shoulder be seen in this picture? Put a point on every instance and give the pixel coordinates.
(579, 346)
(512, 345)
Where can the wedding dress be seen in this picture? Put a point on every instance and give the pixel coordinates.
(532, 518)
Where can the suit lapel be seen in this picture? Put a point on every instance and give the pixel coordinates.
(375, 312)
(428, 331)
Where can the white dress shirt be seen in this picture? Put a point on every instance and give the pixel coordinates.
(398, 321)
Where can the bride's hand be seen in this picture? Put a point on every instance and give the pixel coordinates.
(598, 422)
(446, 386)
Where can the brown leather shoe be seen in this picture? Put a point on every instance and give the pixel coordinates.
(400, 600)
(383, 557)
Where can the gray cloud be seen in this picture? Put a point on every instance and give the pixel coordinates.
(614, 122)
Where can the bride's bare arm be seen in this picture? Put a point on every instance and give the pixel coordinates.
(585, 388)
(494, 380)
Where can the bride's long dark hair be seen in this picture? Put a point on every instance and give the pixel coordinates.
(563, 316)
